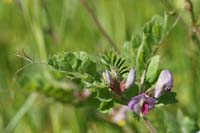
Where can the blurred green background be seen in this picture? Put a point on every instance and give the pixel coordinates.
(46, 27)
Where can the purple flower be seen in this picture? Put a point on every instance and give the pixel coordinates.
(164, 83)
(113, 80)
(130, 78)
(141, 104)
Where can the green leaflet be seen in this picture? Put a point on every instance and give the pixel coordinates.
(106, 100)
(112, 60)
(104, 95)
(168, 98)
(152, 69)
(142, 51)
(75, 64)
(144, 44)
(106, 107)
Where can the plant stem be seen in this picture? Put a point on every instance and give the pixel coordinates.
(101, 29)
(149, 125)
(194, 27)
(50, 29)
(170, 7)
(189, 8)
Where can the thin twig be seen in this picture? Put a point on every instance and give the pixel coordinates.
(189, 8)
(170, 7)
(167, 33)
(101, 29)
(50, 30)
(149, 125)
(22, 54)
(194, 27)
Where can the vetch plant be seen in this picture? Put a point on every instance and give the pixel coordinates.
(112, 78)
(131, 79)
(117, 89)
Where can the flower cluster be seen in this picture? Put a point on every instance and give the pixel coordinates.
(141, 103)
(115, 82)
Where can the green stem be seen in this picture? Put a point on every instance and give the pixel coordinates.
(170, 7)
(189, 7)
(36, 30)
(101, 29)
(149, 126)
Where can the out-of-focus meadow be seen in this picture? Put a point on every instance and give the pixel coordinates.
(46, 27)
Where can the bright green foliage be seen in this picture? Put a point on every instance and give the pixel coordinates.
(113, 60)
(104, 95)
(88, 69)
(75, 65)
(106, 107)
(144, 45)
(48, 27)
(106, 99)
(152, 70)
(169, 98)
(80, 65)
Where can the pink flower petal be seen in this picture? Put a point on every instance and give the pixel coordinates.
(145, 108)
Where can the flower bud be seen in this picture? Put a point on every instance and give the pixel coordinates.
(164, 83)
(115, 74)
(107, 77)
(130, 78)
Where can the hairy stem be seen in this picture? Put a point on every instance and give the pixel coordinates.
(149, 126)
(101, 29)
(170, 7)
